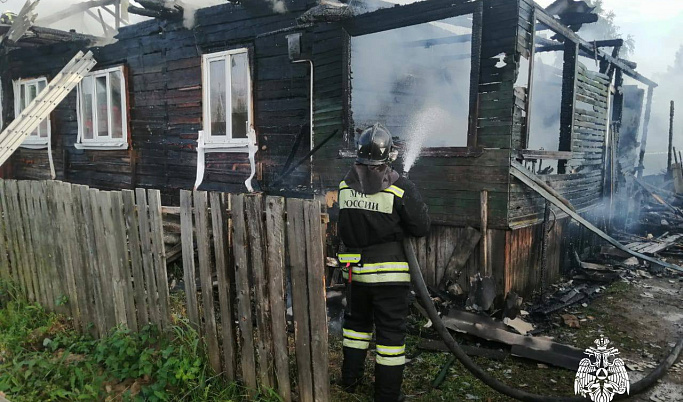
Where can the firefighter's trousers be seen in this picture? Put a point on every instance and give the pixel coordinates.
(387, 307)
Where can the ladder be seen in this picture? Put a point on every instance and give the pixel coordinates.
(46, 101)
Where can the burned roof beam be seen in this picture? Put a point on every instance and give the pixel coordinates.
(557, 26)
(411, 14)
(570, 19)
(560, 46)
(74, 9)
(157, 9)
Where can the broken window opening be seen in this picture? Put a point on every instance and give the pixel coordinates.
(102, 110)
(415, 80)
(227, 97)
(545, 91)
(25, 91)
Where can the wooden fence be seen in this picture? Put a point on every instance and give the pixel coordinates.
(259, 245)
(97, 256)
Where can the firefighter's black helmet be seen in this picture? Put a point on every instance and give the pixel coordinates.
(375, 146)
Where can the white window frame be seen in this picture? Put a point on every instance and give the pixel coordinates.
(97, 142)
(225, 143)
(32, 141)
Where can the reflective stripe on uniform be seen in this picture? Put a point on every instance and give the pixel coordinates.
(380, 272)
(356, 339)
(391, 360)
(349, 333)
(396, 191)
(350, 343)
(391, 350)
(391, 355)
(381, 267)
(380, 277)
(343, 185)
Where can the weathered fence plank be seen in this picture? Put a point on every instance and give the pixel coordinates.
(89, 212)
(189, 275)
(159, 255)
(275, 260)
(103, 270)
(5, 273)
(147, 258)
(86, 297)
(122, 246)
(243, 292)
(7, 232)
(256, 236)
(226, 281)
(28, 246)
(18, 235)
(64, 224)
(133, 234)
(296, 232)
(315, 262)
(115, 263)
(201, 212)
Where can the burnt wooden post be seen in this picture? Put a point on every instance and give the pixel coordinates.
(646, 123)
(484, 230)
(569, 73)
(671, 139)
(544, 248)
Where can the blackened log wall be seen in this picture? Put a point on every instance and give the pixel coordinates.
(164, 73)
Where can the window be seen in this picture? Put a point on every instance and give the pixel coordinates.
(102, 110)
(415, 80)
(25, 91)
(227, 98)
(545, 91)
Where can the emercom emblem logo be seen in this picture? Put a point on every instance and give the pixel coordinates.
(601, 375)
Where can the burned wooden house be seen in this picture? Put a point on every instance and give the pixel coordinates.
(471, 88)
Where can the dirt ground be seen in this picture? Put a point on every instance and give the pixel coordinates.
(642, 318)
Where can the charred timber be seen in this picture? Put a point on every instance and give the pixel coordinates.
(553, 47)
(164, 15)
(160, 6)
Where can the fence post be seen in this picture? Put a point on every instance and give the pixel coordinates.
(225, 282)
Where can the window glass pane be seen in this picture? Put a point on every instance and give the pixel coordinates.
(240, 95)
(87, 108)
(116, 105)
(42, 129)
(102, 112)
(32, 92)
(217, 97)
(22, 90)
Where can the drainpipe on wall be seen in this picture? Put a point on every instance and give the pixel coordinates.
(294, 48)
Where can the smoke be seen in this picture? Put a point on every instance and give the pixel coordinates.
(402, 77)
(670, 89)
(278, 6)
(190, 7)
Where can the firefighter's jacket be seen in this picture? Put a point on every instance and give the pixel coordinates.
(375, 223)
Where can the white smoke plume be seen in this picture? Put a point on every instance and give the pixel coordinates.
(278, 6)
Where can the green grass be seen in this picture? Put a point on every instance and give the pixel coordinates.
(42, 358)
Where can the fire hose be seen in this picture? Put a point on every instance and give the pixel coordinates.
(426, 302)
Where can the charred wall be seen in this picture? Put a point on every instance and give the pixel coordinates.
(583, 128)
(164, 74)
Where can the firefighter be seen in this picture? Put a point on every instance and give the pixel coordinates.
(378, 208)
